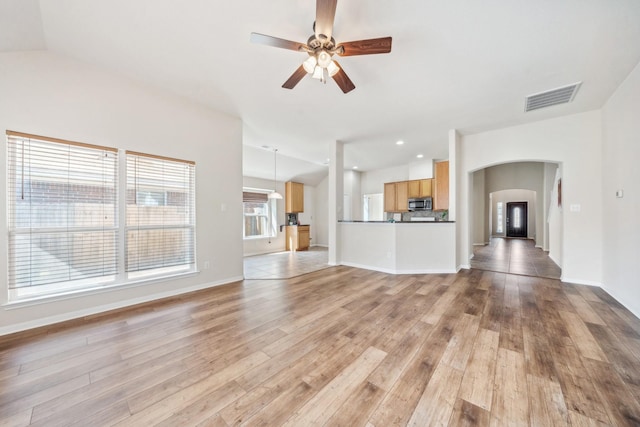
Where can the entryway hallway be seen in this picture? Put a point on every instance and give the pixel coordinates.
(516, 256)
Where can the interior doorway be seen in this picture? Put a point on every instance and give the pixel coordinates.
(517, 219)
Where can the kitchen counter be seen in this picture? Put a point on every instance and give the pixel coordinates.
(406, 247)
(398, 222)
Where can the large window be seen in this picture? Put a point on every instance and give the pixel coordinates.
(64, 230)
(62, 215)
(258, 215)
(160, 215)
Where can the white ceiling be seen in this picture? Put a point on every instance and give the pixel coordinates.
(463, 64)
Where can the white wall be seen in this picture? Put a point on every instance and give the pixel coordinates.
(479, 209)
(45, 94)
(352, 189)
(266, 245)
(372, 182)
(547, 201)
(621, 223)
(421, 169)
(322, 213)
(576, 142)
(555, 218)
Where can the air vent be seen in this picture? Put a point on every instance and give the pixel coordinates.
(561, 95)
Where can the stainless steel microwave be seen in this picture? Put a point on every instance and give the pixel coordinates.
(422, 204)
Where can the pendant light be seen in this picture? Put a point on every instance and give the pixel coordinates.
(275, 194)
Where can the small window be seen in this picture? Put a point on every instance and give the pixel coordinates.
(499, 217)
(259, 215)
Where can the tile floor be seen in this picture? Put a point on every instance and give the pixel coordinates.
(284, 265)
(516, 256)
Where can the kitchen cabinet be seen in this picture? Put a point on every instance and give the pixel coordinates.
(396, 196)
(298, 237)
(294, 197)
(402, 196)
(390, 197)
(441, 186)
(419, 188)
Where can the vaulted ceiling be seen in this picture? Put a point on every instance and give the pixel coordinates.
(462, 64)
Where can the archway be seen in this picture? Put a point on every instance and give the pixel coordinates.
(534, 183)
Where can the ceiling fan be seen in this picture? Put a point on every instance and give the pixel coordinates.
(321, 47)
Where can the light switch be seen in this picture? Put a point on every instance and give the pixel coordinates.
(574, 208)
(619, 194)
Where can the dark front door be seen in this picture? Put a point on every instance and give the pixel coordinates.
(517, 219)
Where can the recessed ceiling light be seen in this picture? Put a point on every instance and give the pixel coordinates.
(355, 167)
(420, 156)
(399, 142)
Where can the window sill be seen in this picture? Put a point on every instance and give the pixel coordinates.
(62, 296)
(258, 238)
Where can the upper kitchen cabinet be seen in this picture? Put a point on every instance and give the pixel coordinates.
(420, 188)
(402, 196)
(396, 196)
(294, 197)
(390, 197)
(441, 186)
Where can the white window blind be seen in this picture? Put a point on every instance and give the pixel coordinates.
(62, 214)
(256, 212)
(160, 225)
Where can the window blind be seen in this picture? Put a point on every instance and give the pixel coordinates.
(249, 196)
(160, 210)
(62, 213)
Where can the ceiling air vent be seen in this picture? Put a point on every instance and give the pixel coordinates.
(561, 95)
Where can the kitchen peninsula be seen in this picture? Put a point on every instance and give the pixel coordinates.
(399, 247)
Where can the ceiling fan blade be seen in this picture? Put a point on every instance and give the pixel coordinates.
(276, 42)
(343, 80)
(366, 47)
(325, 14)
(295, 78)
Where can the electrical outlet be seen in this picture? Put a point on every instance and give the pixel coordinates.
(207, 265)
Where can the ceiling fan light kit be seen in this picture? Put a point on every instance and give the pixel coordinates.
(321, 47)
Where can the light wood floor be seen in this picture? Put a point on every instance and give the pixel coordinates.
(285, 265)
(341, 346)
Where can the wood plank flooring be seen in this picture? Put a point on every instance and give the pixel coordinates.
(285, 265)
(338, 347)
(515, 256)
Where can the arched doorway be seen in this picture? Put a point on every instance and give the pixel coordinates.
(515, 200)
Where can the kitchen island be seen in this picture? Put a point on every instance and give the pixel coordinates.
(399, 247)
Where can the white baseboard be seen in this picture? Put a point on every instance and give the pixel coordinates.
(368, 267)
(613, 294)
(320, 245)
(264, 253)
(397, 272)
(552, 258)
(427, 271)
(580, 281)
(463, 266)
(45, 321)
